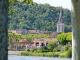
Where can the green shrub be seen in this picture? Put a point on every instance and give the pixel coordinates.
(49, 54)
(28, 50)
(69, 53)
(62, 54)
(51, 46)
(41, 49)
(66, 54)
(56, 54)
(66, 47)
(55, 50)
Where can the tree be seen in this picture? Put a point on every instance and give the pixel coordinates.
(75, 29)
(51, 46)
(10, 39)
(37, 17)
(62, 38)
(69, 37)
(17, 38)
(75, 25)
(30, 40)
(3, 29)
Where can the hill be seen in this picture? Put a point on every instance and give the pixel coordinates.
(37, 17)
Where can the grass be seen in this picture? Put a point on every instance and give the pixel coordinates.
(46, 54)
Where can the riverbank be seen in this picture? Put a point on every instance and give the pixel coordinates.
(44, 54)
(14, 52)
(47, 54)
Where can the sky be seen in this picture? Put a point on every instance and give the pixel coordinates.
(57, 3)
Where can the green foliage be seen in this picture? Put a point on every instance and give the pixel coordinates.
(13, 38)
(51, 46)
(69, 36)
(67, 46)
(63, 54)
(29, 40)
(69, 53)
(64, 38)
(24, 1)
(38, 36)
(27, 50)
(55, 50)
(38, 17)
(29, 37)
(41, 49)
(12, 1)
(66, 54)
(48, 54)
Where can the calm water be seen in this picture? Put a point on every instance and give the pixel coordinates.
(14, 57)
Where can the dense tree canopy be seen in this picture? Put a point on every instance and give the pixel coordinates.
(38, 17)
(64, 38)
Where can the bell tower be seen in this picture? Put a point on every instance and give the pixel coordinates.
(60, 23)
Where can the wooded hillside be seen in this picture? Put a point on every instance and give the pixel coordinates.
(38, 17)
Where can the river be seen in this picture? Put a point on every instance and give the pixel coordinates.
(15, 57)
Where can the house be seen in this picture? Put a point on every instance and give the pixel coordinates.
(43, 42)
(22, 44)
(36, 43)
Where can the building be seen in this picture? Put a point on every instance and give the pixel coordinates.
(25, 31)
(21, 31)
(60, 23)
(43, 42)
(36, 43)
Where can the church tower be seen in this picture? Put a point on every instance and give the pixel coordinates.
(60, 23)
